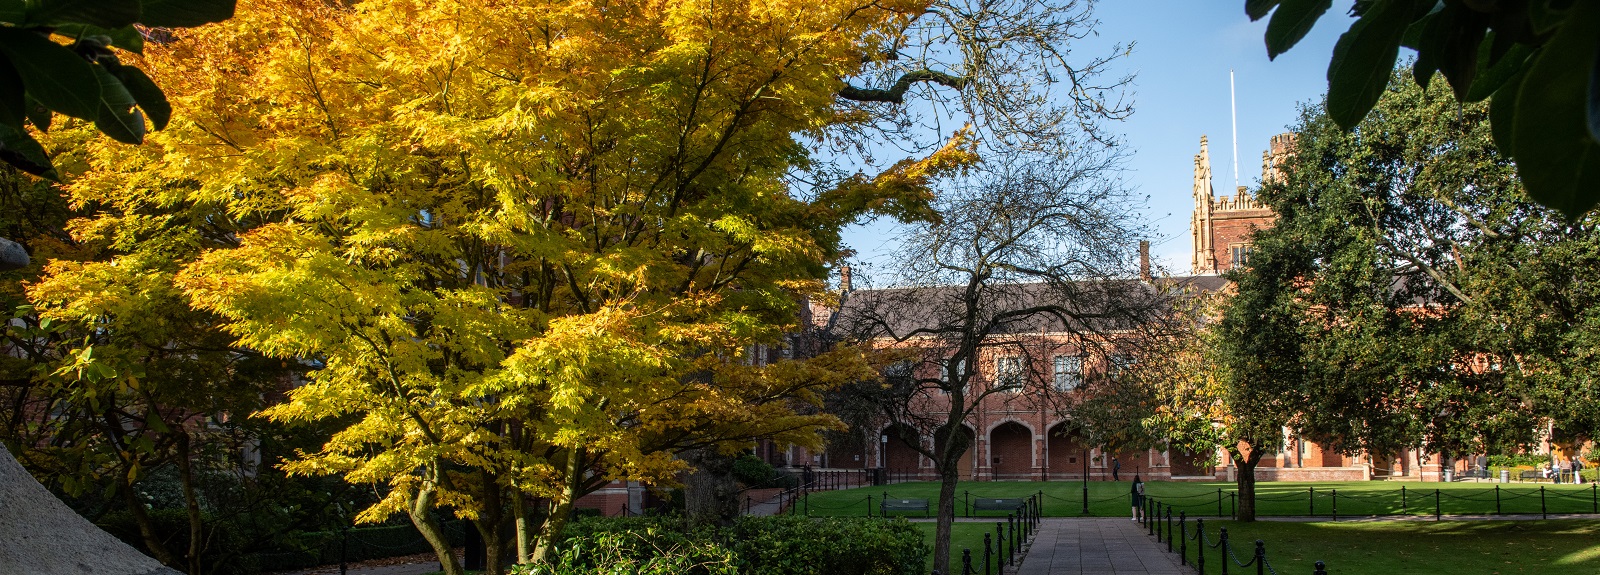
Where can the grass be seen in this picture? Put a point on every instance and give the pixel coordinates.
(1111, 499)
(1414, 547)
(963, 535)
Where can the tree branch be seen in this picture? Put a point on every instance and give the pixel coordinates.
(896, 94)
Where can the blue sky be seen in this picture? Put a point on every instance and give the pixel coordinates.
(1183, 51)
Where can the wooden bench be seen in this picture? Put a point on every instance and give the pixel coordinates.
(903, 505)
(995, 504)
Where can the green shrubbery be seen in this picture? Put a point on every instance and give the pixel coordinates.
(784, 545)
(756, 474)
(1524, 460)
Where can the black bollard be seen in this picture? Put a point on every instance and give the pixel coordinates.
(1403, 498)
(1436, 505)
(1183, 538)
(1200, 550)
(1000, 545)
(1312, 497)
(1261, 558)
(966, 502)
(1169, 528)
(1322, 569)
(1219, 502)
(1543, 512)
(1222, 551)
(1336, 505)
(1011, 526)
(966, 561)
(988, 553)
(1497, 500)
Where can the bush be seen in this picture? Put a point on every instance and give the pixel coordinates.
(784, 545)
(1523, 460)
(753, 472)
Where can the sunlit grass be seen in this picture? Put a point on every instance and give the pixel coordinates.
(1111, 499)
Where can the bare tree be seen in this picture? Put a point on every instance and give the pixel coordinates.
(1032, 255)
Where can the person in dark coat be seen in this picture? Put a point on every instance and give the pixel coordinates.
(1138, 498)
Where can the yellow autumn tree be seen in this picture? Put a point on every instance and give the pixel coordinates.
(525, 245)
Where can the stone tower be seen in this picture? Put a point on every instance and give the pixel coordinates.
(1221, 226)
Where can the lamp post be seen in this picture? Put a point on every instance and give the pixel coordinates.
(1085, 480)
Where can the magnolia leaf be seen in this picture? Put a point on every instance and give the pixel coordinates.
(1291, 22)
(1256, 9)
(38, 115)
(1503, 113)
(102, 13)
(20, 150)
(1557, 158)
(52, 73)
(118, 117)
(145, 92)
(13, 100)
(127, 37)
(1363, 59)
(185, 13)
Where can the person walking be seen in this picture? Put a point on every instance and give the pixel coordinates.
(1116, 469)
(1138, 498)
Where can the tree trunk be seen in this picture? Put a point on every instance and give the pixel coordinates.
(421, 513)
(561, 510)
(490, 523)
(141, 518)
(191, 501)
(709, 493)
(949, 475)
(1247, 485)
(519, 508)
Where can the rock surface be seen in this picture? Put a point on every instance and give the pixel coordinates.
(40, 535)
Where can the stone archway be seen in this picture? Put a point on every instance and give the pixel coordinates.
(899, 455)
(1068, 456)
(1011, 451)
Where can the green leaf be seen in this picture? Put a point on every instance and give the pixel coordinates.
(1459, 58)
(145, 92)
(52, 73)
(13, 101)
(102, 13)
(118, 117)
(1256, 9)
(1492, 77)
(38, 115)
(1427, 37)
(19, 149)
(127, 37)
(1363, 59)
(13, 11)
(1558, 160)
(1291, 22)
(1594, 96)
(185, 13)
(1503, 113)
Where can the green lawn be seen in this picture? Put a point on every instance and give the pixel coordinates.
(1415, 547)
(1110, 499)
(963, 535)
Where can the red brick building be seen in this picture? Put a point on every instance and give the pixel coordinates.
(1020, 435)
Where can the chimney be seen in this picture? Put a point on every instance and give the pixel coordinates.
(844, 279)
(1144, 260)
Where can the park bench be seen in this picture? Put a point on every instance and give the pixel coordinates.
(903, 505)
(1531, 475)
(995, 504)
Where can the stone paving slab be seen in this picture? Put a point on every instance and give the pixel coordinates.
(1097, 546)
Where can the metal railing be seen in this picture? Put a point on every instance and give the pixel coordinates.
(1152, 519)
(1000, 549)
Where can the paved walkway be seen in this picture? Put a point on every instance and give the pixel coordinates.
(1097, 546)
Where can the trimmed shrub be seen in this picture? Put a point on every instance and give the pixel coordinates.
(753, 472)
(783, 545)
